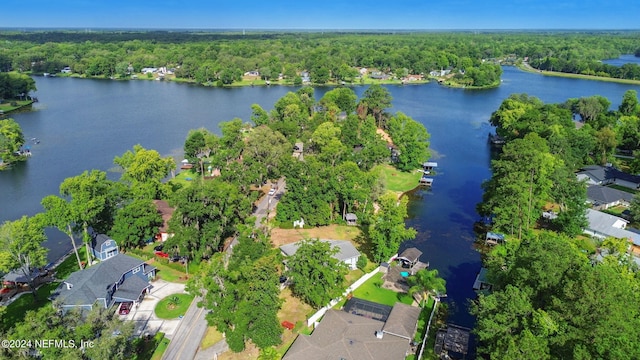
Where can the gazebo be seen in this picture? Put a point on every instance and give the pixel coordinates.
(410, 257)
(351, 218)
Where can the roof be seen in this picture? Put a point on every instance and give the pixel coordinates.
(131, 288)
(430, 164)
(92, 283)
(606, 195)
(495, 236)
(350, 217)
(601, 173)
(166, 212)
(98, 241)
(411, 254)
(341, 335)
(346, 250)
(402, 321)
(18, 276)
(604, 223)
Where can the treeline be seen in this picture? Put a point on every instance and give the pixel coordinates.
(15, 86)
(203, 57)
(550, 300)
(585, 67)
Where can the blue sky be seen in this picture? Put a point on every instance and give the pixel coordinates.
(327, 14)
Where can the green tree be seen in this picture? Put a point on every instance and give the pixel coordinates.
(135, 222)
(90, 203)
(268, 150)
(316, 275)
(58, 213)
(11, 140)
(376, 99)
(629, 105)
(412, 140)
(426, 282)
(144, 170)
(388, 230)
(21, 247)
(343, 98)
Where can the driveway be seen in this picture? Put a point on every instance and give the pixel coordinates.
(146, 321)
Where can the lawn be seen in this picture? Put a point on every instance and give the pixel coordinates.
(152, 348)
(211, 337)
(16, 311)
(396, 180)
(70, 264)
(372, 291)
(162, 347)
(173, 306)
(6, 107)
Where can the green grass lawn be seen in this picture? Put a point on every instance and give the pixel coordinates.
(173, 306)
(149, 348)
(396, 180)
(15, 312)
(6, 107)
(372, 291)
(70, 264)
(162, 347)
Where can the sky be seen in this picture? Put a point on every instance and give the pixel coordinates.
(325, 14)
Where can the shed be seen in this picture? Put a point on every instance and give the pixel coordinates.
(494, 238)
(351, 218)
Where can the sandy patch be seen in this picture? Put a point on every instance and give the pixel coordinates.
(281, 237)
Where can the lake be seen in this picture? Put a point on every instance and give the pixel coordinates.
(84, 124)
(623, 59)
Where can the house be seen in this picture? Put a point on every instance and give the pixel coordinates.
(351, 219)
(602, 225)
(343, 335)
(602, 197)
(409, 257)
(347, 253)
(120, 278)
(66, 70)
(166, 212)
(607, 175)
(103, 247)
(494, 238)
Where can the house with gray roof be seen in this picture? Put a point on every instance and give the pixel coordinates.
(607, 175)
(603, 225)
(347, 253)
(342, 335)
(120, 278)
(602, 197)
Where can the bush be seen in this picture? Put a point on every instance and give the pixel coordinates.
(362, 262)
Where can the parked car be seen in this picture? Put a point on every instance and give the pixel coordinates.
(158, 248)
(272, 192)
(125, 308)
(162, 254)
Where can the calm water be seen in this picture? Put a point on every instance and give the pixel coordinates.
(84, 124)
(623, 59)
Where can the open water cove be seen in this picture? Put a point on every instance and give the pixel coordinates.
(84, 124)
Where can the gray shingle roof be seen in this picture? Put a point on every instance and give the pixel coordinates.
(606, 195)
(92, 283)
(131, 288)
(98, 240)
(402, 321)
(346, 250)
(411, 254)
(341, 335)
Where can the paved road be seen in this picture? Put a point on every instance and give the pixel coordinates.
(186, 340)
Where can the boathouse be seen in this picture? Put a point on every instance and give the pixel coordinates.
(494, 238)
(429, 166)
(426, 181)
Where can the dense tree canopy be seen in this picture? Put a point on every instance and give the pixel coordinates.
(316, 276)
(11, 140)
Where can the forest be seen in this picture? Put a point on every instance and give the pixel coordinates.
(223, 58)
(558, 293)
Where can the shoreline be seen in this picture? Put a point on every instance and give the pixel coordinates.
(527, 68)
